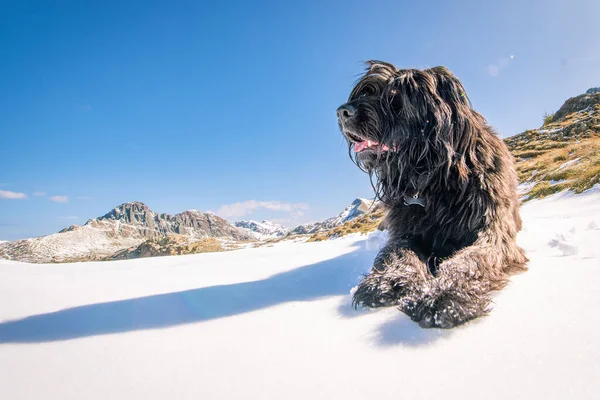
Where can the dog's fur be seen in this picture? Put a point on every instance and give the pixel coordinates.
(446, 255)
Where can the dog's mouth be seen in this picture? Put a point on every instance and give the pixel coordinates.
(369, 145)
(360, 144)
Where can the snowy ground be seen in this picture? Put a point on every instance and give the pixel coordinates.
(275, 323)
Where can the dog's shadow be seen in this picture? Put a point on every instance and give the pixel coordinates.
(399, 330)
(334, 277)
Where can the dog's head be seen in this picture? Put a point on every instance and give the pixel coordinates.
(420, 118)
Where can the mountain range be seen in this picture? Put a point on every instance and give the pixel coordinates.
(125, 226)
(133, 230)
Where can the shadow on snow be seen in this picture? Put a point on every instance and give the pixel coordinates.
(334, 277)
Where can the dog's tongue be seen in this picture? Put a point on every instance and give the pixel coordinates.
(360, 146)
(367, 144)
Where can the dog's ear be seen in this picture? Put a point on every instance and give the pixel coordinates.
(463, 125)
(449, 88)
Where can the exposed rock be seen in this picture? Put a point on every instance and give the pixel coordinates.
(191, 223)
(577, 104)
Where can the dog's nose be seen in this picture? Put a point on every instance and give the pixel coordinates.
(344, 112)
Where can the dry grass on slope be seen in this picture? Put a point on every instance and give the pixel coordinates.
(364, 224)
(169, 246)
(562, 155)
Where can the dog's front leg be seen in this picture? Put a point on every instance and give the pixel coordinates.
(397, 273)
(461, 290)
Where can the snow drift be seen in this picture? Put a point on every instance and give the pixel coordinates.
(276, 323)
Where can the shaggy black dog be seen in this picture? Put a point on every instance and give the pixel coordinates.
(449, 186)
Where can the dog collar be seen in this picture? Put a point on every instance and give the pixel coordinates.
(414, 200)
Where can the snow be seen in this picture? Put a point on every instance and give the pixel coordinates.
(357, 208)
(350, 212)
(276, 323)
(96, 237)
(263, 230)
(550, 131)
(525, 187)
(569, 163)
(553, 182)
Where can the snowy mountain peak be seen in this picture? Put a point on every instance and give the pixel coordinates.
(264, 229)
(357, 208)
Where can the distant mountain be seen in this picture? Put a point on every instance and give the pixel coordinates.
(357, 208)
(191, 223)
(264, 229)
(126, 226)
(133, 230)
(268, 230)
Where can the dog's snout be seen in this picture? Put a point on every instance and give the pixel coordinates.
(344, 112)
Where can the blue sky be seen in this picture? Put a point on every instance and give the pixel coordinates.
(203, 105)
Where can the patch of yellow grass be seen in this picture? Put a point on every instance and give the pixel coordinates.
(170, 245)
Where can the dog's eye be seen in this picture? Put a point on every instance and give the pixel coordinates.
(393, 91)
(367, 91)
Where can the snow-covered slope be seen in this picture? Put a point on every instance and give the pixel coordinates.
(94, 240)
(264, 229)
(357, 208)
(276, 323)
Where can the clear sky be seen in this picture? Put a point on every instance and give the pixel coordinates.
(202, 105)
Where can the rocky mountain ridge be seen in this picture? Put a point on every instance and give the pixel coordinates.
(192, 223)
(126, 226)
(133, 230)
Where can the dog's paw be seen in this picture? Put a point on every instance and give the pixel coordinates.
(376, 290)
(441, 312)
(444, 318)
